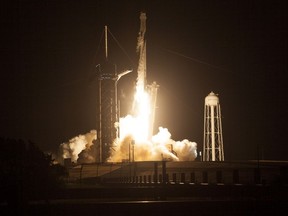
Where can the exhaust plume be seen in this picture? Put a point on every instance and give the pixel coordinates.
(161, 147)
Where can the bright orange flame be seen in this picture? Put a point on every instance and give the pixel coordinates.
(138, 126)
(134, 141)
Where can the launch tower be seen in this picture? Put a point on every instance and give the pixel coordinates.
(108, 115)
(107, 105)
(213, 138)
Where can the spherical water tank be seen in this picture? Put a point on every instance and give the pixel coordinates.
(211, 100)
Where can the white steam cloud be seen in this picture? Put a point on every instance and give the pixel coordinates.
(161, 147)
(135, 142)
(80, 148)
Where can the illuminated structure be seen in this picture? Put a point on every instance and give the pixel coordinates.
(141, 49)
(141, 86)
(107, 106)
(213, 138)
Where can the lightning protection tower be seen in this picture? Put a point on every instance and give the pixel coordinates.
(213, 138)
(108, 111)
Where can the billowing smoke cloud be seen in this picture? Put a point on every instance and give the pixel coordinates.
(135, 142)
(80, 148)
(162, 147)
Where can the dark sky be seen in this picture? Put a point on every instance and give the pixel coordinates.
(238, 49)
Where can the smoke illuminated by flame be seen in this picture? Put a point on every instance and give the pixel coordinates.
(135, 141)
(77, 145)
(135, 144)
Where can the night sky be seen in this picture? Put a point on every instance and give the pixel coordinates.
(237, 49)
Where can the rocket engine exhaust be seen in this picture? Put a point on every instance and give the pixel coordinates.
(136, 141)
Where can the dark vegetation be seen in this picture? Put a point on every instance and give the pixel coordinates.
(26, 173)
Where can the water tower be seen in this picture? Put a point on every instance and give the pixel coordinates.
(213, 138)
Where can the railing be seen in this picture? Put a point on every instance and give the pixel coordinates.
(154, 173)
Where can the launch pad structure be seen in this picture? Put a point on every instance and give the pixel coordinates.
(108, 105)
(108, 110)
(240, 173)
(208, 180)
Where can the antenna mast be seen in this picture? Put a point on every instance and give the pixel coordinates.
(106, 42)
